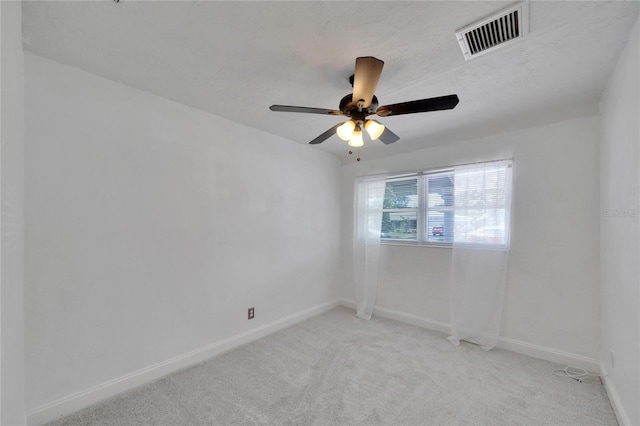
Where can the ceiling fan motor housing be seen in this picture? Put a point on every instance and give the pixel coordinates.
(351, 109)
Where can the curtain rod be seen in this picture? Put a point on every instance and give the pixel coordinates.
(433, 169)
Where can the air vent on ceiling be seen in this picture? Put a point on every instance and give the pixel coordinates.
(497, 30)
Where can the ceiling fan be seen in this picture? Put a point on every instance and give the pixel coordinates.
(363, 103)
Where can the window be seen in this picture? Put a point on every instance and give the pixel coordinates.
(400, 209)
(467, 205)
(439, 195)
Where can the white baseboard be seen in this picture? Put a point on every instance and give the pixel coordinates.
(513, 345)
(79, 400)
(567, 359)
(614, 398)
(442, 327)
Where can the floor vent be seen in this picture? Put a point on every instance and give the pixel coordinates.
(495, 31)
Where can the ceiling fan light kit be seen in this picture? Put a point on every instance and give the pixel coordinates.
(363, 102)
(356, 139)
(374, 129)
(345, 131)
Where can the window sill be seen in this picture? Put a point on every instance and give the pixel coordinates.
(415, 244)
(444, 245)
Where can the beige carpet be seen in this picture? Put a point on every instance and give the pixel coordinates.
(337, 370)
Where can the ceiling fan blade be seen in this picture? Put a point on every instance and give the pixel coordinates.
(326, 135)
(365, 80)
(422, 105)
(290, 108)
(387, 137)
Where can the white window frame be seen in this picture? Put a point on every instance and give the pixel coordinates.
(404, 210)
(422, 213)
(426, 208)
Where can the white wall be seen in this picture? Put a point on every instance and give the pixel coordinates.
(152, 227)
(552, 293)
(12, 216)
(620, 232)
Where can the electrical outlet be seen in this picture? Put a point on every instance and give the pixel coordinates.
(251, 313)
(612, 359)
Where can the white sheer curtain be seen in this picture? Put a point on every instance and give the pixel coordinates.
(369, 197)
(482, 207)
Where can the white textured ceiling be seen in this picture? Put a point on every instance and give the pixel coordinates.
(234, 59)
